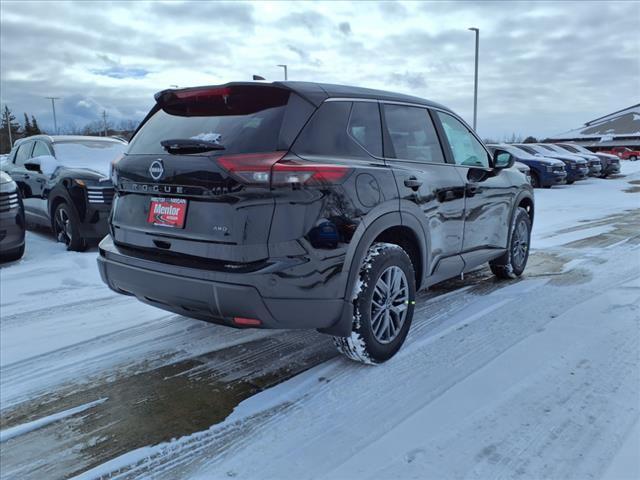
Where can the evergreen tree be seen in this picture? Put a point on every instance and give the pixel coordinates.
(28, 131)
(530, 139)
(7, 122)
(34, 126)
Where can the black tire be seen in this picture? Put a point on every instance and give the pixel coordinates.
(547, 186)
(535, 180)
(66, 228)
(13, 254)
(367, 344)
(514, 261)
(570, 182)
(633, 158)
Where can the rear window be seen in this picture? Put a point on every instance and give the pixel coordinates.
(242, 119)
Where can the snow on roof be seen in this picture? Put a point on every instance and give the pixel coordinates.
(623, 123)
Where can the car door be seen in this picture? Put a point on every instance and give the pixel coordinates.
(430, 189)
(489, 196)
(24, 177)
(38, 180)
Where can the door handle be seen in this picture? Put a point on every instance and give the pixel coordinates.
(472, 189)
(412, 182)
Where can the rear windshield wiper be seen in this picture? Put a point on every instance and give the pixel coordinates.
(189, 145)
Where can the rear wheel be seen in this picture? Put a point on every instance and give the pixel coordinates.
(383, 306)
(66, 227)
(633, 158)
(513, 262)
(569, 182)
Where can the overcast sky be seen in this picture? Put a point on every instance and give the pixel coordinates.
(545, 67)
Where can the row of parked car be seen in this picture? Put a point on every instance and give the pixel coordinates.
(64, 183)
(560, 163)
(59, 182)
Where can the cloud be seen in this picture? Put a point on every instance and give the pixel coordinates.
(545, 67)
(413, 80)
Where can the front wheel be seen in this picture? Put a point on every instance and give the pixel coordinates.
(570, 182)
(66, 227)
(633, 158)
(514, 260)
(383, 305)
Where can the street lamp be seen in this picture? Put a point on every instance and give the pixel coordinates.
(53, 107)
(475, 83)
(285, 71)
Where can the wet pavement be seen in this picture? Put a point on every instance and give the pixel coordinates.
(150, 406)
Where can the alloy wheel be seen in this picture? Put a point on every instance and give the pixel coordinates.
(63, 227)
(520, 244)
(389, 304)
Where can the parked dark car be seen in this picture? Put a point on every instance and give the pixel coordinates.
(595, 167)
(12, 224)
(545, 172)
(64, 183)
(305, 205)
(576, 167)
(610, 163)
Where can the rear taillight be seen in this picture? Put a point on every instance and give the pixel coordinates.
(272, 169)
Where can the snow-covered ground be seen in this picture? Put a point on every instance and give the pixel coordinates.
(534, 378)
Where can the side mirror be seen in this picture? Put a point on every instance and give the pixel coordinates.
(46, 164)
(503, 160)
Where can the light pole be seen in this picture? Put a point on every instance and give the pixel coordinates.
(285, 71)
(8, 117)
(53, 106)
(475, 83)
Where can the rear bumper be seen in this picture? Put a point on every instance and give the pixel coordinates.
(211, 296)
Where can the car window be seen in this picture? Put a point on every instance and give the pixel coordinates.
(364, 126)
(327, 133)
(413, 136)
(23, 153)
(243, 119)
(40, 149)
(467, 150)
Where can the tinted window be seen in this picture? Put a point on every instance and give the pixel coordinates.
(242, 119)
(23, 153)
(327, 134)
(40, 149)
(364, 126)
(413, 136)
(466, 148)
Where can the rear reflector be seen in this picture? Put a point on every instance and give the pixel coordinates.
(270, 169)
(247, 322)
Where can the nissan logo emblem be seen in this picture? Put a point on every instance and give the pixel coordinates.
(156, 169)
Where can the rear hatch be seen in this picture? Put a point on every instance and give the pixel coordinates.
(195, 181)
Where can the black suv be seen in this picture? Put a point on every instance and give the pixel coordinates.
(304, 205)
(65, 184)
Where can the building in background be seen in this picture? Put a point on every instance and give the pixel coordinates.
(618, 129)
